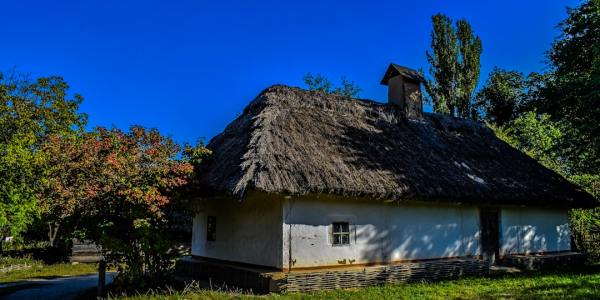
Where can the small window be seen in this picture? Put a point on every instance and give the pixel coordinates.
(340, 232)
(211, 228)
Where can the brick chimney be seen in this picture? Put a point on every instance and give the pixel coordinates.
(404, 90)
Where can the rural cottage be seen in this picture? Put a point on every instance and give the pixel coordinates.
(311, 190)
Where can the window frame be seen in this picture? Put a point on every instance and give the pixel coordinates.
(338, 230)
(211, 228)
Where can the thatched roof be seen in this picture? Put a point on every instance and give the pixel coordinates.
(293, 141)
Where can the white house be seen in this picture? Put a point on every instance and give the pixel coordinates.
(304, 180)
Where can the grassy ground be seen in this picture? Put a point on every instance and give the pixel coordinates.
(573, 285)
(8, 261)
(28, 268)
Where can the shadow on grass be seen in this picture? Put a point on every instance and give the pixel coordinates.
(91, 293)
(586, 270)
(579, 283)
(47, 277)
(579, 290)
(48, 255)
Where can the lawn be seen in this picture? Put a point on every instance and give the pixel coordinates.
(573, 285)
(25, 268)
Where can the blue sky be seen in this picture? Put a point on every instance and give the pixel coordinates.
(188, 68)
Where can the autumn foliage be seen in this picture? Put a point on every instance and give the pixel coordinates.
(115, 187)
(138, 167)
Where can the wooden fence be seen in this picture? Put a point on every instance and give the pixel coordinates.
(264, 281)
(378, 275)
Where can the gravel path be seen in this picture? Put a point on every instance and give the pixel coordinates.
(58, 288)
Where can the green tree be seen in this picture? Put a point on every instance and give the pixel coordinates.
(533, 94)
(317, 83)
(585, 228)
(30, 111)
(454, 66)
(572, 95)
(18, 166)
(537, 136)
(443, 65)
(468, 69)
(500, 96)
(347, 89)
(321, 83)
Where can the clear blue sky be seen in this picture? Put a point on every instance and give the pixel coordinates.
(188, 68)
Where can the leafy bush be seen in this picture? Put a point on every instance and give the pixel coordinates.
(9, 261)
(585, 225)
(119, 188)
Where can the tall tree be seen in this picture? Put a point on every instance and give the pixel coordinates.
(500, 96)
(469, 49)
(443, 62)
(573, 92)
(454, 66)
(30, 111)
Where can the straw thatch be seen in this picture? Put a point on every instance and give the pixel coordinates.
(293, 141)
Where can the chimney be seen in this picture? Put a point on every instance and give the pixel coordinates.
(404, 90)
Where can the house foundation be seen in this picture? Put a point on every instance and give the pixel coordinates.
(262, 280)
(544, 261)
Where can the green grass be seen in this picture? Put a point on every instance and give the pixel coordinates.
(582, 285)
(23, 246)
(7, 261)
(36, 269)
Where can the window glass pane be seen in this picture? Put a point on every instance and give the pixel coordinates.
(336, 239)
(211, 228)
(336, 227)
(345, 227)
(345, 239)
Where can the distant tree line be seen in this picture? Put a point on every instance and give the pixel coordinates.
(323, 84)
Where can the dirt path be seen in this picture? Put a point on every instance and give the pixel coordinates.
(58, 288)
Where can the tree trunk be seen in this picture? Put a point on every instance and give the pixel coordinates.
(52, 232)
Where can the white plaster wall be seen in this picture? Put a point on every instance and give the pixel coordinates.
(249, 231)
(530, 230)
(380, 233)
(259, 231)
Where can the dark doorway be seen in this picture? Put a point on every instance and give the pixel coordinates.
(490, 234)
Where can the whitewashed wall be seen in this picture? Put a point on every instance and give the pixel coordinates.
(249, 231)
(259, 231)
(380, 233)
(530, 230)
